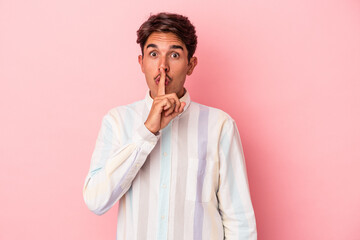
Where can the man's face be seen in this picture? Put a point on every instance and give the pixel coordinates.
(166, 50)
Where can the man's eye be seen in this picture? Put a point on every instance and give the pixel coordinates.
(153, 54)
(175, 55)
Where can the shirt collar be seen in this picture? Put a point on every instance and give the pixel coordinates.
(185, 98)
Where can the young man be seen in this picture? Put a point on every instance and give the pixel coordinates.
(175, 167)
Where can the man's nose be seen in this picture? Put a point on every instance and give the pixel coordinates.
(164, 64)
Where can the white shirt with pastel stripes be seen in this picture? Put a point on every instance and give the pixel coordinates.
(187, 182)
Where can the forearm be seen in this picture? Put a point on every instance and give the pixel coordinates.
(107, 183)
(235, 205)
(234, 195)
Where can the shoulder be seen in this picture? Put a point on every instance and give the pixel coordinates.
(213, 114)
(126, 109)
(124, 113)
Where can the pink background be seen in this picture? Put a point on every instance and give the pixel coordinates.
(288, 72)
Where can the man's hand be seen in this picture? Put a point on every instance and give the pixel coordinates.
(165, 107)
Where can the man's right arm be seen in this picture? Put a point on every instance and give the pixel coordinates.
(113, 167)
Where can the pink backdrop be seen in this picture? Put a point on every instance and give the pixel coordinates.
(288, 72)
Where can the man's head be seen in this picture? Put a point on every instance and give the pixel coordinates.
(167, 41)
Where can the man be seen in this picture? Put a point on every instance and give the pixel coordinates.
(175, 167)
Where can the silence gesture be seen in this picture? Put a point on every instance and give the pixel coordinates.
(165, 107)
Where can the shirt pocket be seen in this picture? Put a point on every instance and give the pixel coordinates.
(201, 181)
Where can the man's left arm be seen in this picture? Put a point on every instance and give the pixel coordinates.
(233, 194)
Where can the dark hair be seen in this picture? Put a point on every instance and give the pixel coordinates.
(169, 22)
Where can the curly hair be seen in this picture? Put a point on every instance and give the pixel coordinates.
(169, 23)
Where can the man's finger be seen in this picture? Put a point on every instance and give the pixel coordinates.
(170, 109)
(174, 114)
(174, 100)
(166, 104)
(161, 85)
(178, 103)
(182, 106)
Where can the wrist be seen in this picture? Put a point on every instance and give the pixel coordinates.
(151, 129)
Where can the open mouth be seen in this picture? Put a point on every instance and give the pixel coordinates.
(167, 80)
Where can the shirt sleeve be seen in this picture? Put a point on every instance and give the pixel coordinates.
(113, 166)
(233, 194)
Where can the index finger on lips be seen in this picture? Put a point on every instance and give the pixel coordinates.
(161, 86)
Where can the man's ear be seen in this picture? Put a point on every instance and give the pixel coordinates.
(140, 60)
(192, 65)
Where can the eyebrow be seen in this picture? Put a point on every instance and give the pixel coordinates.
(171, 47)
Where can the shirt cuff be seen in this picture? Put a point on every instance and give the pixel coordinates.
(147, 135)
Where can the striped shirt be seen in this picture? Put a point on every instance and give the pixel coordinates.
(187, 182)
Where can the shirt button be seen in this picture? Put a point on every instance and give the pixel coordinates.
(165, 154)
(162, 217)
(164, 185)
